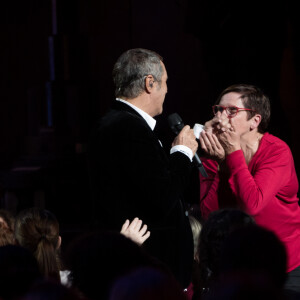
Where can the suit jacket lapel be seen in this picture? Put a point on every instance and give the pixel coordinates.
(117, 105)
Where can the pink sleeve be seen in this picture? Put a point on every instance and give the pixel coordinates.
(255, 191)
(208, 188)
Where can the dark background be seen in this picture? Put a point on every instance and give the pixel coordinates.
(56, 63)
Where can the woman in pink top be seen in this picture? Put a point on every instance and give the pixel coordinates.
(251, 169)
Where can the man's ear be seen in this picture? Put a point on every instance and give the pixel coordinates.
(255, 121)
(149, 84)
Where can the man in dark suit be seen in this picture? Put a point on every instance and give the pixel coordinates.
(131, 175)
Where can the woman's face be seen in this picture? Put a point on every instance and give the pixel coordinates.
(240, 121)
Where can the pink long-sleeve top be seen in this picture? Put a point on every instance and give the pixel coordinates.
(266, 189)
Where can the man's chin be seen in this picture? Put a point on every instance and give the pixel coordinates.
(158, 113)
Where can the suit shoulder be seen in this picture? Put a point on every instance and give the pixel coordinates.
(121, 122)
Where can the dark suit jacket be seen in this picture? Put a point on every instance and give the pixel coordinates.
(131, 176)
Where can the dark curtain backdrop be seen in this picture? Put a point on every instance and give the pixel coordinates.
(56, 63)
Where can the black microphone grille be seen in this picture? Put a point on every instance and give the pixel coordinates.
(175, 122)
(174, 119)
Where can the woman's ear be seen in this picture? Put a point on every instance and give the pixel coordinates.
(255, 121)
(58, 242)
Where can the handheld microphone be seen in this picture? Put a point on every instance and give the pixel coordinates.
(176, 124)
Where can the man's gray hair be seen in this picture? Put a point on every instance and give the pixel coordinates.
(131, 69)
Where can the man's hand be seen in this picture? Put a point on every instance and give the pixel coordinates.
(187, 138)
(134, 231)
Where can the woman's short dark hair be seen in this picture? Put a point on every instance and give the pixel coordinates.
(253, 98)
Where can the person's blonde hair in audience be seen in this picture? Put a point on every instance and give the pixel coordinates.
(196, 227)
(7, 218)
(6, 235)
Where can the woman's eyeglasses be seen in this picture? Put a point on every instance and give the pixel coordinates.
(230, 110)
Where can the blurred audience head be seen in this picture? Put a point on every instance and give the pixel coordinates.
(214, 232)
(7, 219)
(18, 271)
(254, 251)
(38, 231)
(105, 255)
(6, 235)
(146, 284)
(252, 266)
(47, 289)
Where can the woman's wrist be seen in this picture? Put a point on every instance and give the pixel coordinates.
(232, 149)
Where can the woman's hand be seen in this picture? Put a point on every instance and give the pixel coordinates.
(217, 125)
(134, 231)
(230, 140)
(219, 138)
(211, 145)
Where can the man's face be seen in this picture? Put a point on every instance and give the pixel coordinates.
(160, 92)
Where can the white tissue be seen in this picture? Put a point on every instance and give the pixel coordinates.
(197, 130)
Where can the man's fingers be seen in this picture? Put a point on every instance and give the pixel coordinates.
(188, 132)
(185, 129)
